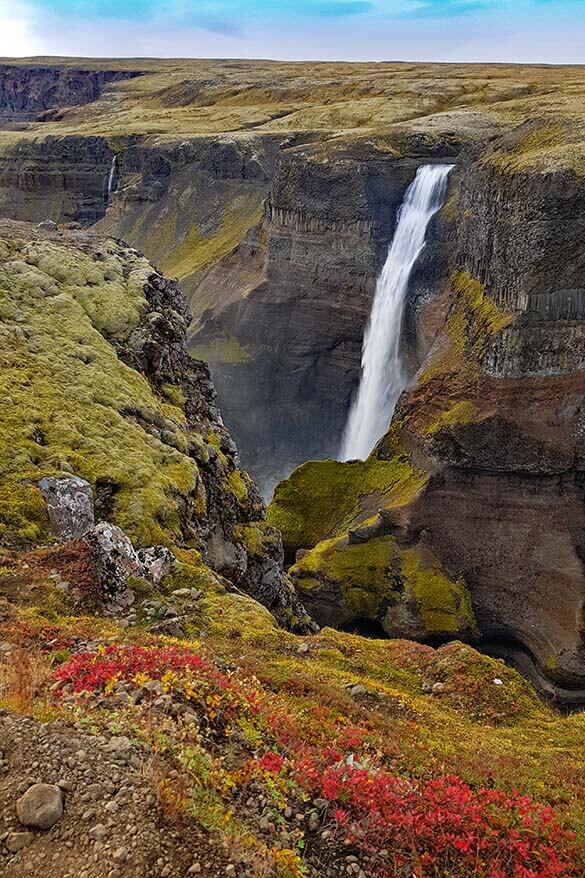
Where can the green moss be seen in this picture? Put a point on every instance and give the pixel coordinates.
(363, 572)
(69, 403)
(463, 412)
(444, 605)
(190, 573)
(174, 394)
(196, 251)
(257, 537)
(322, 499)
(226, 349)
(534, 147)
(237, 486)
(473, 318)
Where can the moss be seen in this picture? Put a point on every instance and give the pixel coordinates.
(63, 412)
(444, 605)
(196, 251)
(535, 142)
(174, 394)
(225, 349)
(237, 486)
(189, 573)
(257, 537)
(363, 572)
(462, 412)
(322, 499)
(473, 318)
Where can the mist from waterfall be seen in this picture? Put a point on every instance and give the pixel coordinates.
(383, 377)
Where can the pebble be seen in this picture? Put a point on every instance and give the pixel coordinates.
(98, 832)
(16, 841)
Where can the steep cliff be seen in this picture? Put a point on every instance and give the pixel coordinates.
(478, 484)
(271, 192)
(97, 383)
(27, 93)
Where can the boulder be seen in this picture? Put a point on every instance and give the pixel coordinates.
(115, 559)
(156, 562)
(69, 505)
(41, 806)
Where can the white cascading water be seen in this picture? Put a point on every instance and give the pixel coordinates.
(112, 176)
(383, 377)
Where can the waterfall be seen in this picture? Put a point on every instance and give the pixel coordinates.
(112, 175)
(383, 377)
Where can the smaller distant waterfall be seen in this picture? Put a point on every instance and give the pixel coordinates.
(112, 175)
(383, 377)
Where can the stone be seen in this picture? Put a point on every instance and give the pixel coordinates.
(358, 691)
(303, 648)
(16, 841)
(120, 855)
(156, 562)
(69, 503)
(48, 226)
(41, 806)
(120, 746)
(115, 560)
(98, 832)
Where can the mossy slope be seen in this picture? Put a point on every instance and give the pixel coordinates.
(70, 404)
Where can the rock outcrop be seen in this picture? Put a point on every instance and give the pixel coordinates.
(28, 92)
(97, 384)
(479, 478)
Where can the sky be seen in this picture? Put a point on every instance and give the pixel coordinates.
(546, 31)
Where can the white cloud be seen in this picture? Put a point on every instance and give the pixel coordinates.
(18, 35)
(547, 35)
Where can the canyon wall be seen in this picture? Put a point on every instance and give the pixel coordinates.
(478, 486)
(27, 93)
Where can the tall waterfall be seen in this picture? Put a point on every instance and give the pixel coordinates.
(383, 377)
(112, 175)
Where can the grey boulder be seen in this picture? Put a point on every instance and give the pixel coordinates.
(41, 806)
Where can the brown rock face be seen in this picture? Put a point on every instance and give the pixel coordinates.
(502, 418)
(492, 424)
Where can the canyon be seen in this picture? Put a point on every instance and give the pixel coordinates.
(355, 291)
(271, 191)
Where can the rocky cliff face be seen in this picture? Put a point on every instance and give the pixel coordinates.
(59, 179)
(478, 484)
(286, 356)
(28, 92)
(97, 383)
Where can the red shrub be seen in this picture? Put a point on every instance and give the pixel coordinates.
(442, 826)
(92, 671)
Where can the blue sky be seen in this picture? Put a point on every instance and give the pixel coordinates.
(550, 31)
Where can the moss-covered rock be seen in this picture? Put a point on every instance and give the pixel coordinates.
(346, 583)
(96, 381)
(323, 499)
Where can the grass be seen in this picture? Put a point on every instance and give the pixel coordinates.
(496, 736)
(189, 98)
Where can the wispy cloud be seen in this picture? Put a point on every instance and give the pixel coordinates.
(458, 30)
